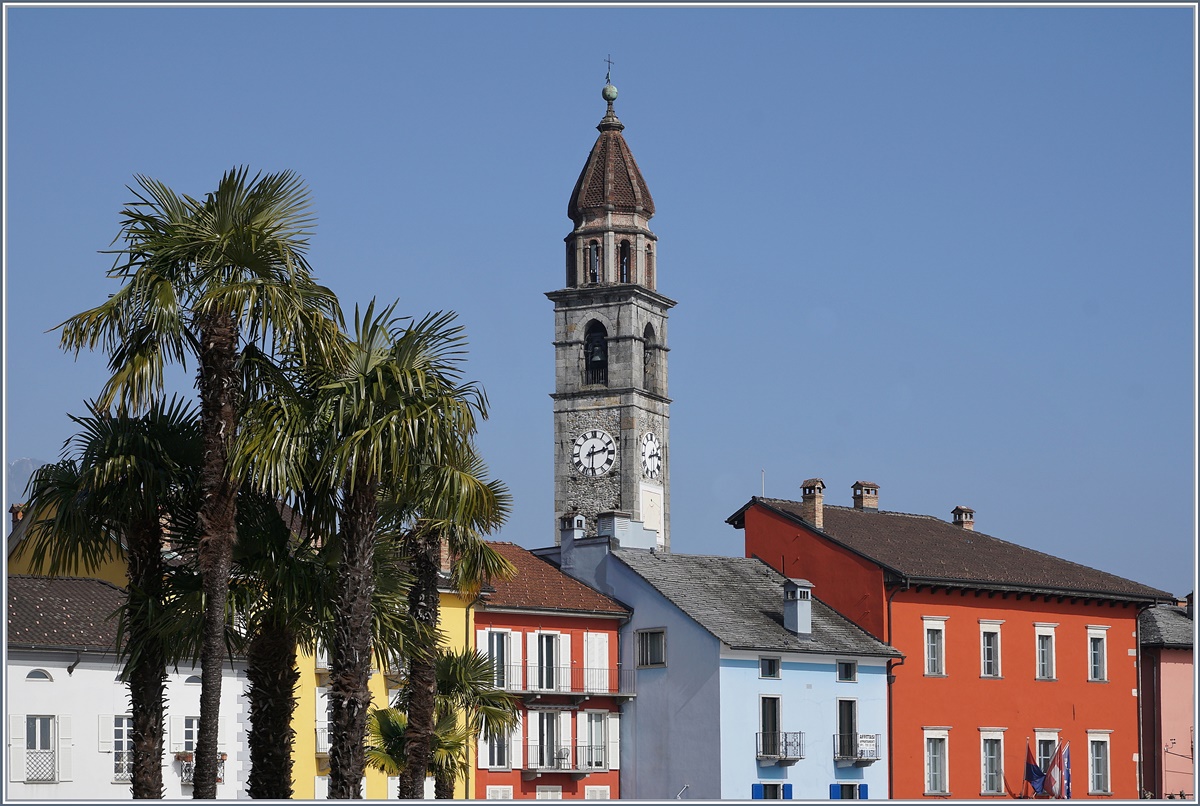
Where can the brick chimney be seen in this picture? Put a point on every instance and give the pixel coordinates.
(964, 517)
(866, 495)
(797, 606)
(812, 502)
(18, 513)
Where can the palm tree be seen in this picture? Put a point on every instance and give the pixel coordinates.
(207, 278)
(451, 502)
(387, 743)
(124, 484)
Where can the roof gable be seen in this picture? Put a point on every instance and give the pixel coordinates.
(539, 585)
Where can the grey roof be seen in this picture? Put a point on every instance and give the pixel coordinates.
(62, 612)
(740, 601)
(1166, 626)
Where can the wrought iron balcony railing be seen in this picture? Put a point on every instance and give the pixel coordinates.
(39, 765)
(123, 765)
(564, 679)
(187, 771)
(781, 746)
(566, 757)
(862, 748)
(323, 738)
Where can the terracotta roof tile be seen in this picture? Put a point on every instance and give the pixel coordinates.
(540, 585)
(926, 548)
(610, 178)
(62, 612)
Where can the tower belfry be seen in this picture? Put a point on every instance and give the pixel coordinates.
(611, 409)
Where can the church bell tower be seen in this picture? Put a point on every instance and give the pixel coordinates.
(611, 410)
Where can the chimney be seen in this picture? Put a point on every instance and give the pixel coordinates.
(18, 512)
(964, 517)
(866, 495)
(812, 502)
(613, 524)
(797, 606)
(571, 527)
(444, 555)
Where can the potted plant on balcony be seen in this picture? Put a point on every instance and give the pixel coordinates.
(185, 755)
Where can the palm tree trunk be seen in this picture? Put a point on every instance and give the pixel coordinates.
(272, 673)
(147, 670)
(218, 383)
(350, 672)
(443, 784)
(423, 605)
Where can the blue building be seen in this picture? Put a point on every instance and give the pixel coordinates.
(747, 686)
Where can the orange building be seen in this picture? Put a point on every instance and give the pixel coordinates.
(1004, 647)
(553, 643)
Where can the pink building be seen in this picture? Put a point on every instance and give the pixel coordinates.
(1168, 707)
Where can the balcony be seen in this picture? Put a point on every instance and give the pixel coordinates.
(780, 749)
(187, 771)
(323, 738)
(123, 765)
(537, 680)
(579, 760)
(859, 749)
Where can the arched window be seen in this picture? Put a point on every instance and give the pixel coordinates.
(594, 262)
(595, 354)
(649, 359)
(572, 280)
(649, 266)
(40, 675)
(626, 273)
(193, 680)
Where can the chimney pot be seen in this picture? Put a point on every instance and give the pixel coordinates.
(812, 502)
(18, 513)
(866, 495)
(964, 517)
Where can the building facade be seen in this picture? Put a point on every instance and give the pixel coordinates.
(1168, 701)
(553, 643)
(68, 731)
(1003, 646)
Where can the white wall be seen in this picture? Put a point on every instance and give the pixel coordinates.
(83, 702)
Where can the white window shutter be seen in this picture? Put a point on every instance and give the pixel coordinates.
(16, 747)
(321, 787)
(104, 733)
(64, 747)
(516, 751)
(481, 751)
(581, 736)
(516, 679)
(176, 734)
(481, 641)
(614, 741)
(564, 737)
(565, 681)
(534, 658)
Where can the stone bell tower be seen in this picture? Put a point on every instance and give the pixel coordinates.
(611, 410)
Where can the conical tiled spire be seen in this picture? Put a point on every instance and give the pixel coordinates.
(610, 180)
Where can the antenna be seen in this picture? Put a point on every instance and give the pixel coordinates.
(608, 73)
(764, 482)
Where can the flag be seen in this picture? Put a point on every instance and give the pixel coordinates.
(1058, 774)
(1033, 773)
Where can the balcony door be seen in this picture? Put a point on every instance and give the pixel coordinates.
(769, 722)
(847, 714)
(595, 663)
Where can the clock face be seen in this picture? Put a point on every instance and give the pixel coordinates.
(651, 456)
(594, 453)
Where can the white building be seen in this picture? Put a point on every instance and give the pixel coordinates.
(67, 712)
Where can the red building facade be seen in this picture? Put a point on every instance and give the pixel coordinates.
(553, 643)
(1004, 647)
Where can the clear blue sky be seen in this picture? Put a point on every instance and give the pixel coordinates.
(946, 250)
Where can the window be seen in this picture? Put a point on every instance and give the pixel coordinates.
(649, 359)
(847, 729)
(989, 648)
(768, 667)
(193, 680)
(626, 272)
(847, 671)
(39, 675)
(992, 757)
(498, 752)
(497, 650)
(595, 738)
(547, 755)
(547, 660)
(1098, 781)
(122, 748)
(1045, 650)
(652, 648)
(768, 726)
(936, 750)
(935, 646)
(572, 280)
(1097, 654)
(191, 730)
(499, 793)
(851, 791)
(772, 791)
(593, 259)
(1046, 744)
(39, 752)
(595, 354)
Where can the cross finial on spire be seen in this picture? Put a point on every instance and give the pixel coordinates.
(608, 73)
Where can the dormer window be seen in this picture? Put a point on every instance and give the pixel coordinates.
(626, 273)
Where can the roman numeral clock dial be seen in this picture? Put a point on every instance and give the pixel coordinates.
(594, 453)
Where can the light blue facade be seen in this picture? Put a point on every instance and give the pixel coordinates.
(808, 692)
(692, 730)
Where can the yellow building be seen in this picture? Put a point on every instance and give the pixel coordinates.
(310, 754)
